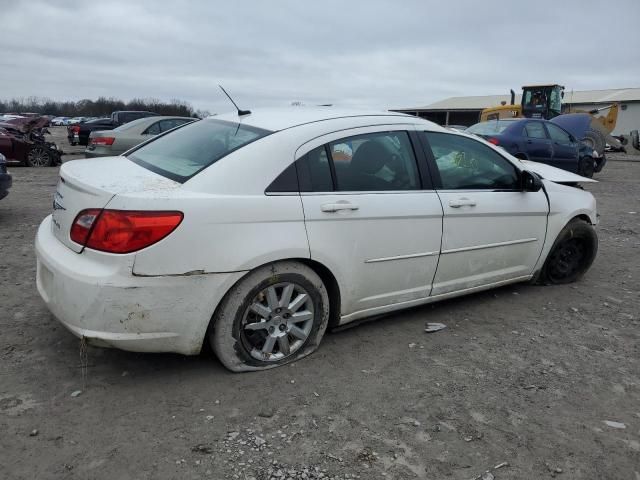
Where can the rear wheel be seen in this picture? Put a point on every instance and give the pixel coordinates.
(635, 139)
(275, 315)
(571, 255)
(39, 156)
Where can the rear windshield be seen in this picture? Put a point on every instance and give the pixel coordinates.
(132, 124)
(186, 151)
(492, 127)
(100, 120)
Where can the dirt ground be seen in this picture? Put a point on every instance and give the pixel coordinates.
(525, 375)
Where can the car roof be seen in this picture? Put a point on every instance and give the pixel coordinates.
(282, 118)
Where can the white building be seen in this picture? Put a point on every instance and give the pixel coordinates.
(466, 110)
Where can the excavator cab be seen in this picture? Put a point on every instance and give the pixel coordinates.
(542, 101)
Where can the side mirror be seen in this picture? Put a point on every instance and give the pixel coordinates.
(530, 181)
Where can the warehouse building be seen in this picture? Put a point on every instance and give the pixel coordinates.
(466, 110)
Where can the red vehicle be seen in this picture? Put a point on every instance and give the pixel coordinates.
(22, 140)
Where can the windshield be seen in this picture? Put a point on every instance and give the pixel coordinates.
(186, 151)
(494, 127)
(555, 100)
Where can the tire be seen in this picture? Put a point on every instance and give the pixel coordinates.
(635, 140)
(572, 254)
(587, 167)
(39, 156)
(595, 140)
(251, 302)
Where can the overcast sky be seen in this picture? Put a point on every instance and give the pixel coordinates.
(381, 54)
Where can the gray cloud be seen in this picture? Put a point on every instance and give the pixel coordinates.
(367, 54)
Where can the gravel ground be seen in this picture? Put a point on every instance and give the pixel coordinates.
(525, 375)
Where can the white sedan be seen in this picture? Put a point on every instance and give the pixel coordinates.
(256, 232)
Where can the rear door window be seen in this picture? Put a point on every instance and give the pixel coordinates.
(172, 123)
(381, 161)
(154, 129)
(189, 150)
(535, 130)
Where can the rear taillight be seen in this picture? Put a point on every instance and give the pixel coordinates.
(75, 129)
(82, 225)
(102, 141)
(122, 231)
(495, 141)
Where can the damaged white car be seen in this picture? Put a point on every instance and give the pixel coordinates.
(256, 232)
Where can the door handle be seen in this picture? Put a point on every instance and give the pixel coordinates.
(462, 202)
(335, 207)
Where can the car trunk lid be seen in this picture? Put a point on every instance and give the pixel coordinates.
(93, 183)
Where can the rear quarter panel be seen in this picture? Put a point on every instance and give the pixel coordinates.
(222, 233)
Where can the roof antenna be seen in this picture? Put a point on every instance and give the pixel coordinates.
(240, 112)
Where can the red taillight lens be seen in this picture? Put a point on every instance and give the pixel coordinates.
(495, 141)
(102, 141)
(122, 231)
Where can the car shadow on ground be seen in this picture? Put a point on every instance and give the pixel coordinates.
(456, 312)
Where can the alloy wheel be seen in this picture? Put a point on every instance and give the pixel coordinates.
(38, 157)
(277, 322)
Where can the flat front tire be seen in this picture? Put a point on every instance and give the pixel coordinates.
(572, 254)
(276, 314)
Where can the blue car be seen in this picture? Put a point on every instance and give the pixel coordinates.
(540, 141)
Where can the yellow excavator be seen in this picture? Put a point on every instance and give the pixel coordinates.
(545, 101)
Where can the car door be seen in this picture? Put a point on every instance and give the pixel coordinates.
(536, 143)
(131, 137)
(493, 231)
(372, 216)
(565, 149)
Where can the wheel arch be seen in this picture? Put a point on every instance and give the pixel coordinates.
(332, 286)
(325, 274)
(582, 216)
(553, 231)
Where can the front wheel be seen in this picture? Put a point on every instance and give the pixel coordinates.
(275, 315)
(587, 166)
(571, 255)
(594, 139)
(39, 156)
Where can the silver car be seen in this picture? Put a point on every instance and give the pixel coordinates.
(108, 143)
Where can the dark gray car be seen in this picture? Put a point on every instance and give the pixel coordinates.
(117, 141)
(5, 178)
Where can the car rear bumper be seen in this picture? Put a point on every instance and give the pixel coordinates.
(95, 296)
